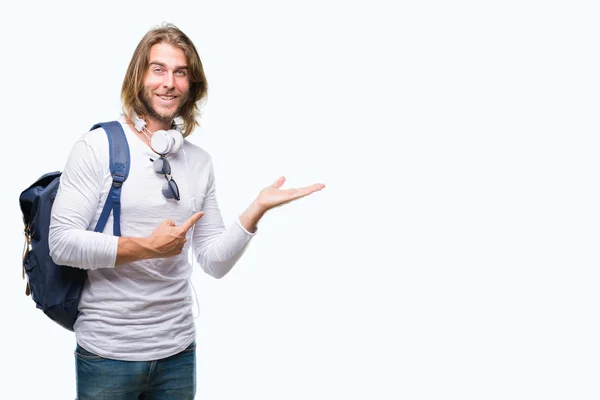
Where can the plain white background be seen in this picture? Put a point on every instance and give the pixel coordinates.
(453, 253)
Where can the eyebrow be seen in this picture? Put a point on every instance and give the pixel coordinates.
(160, 64)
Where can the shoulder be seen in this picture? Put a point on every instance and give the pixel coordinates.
(196, 153)
(95, 139)
(90, 148)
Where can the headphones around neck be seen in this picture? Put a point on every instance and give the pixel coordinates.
(165, 142)
(162, 142)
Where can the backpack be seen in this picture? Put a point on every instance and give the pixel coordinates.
(56, 289)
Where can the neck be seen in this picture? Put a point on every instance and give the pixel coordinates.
(153, 125)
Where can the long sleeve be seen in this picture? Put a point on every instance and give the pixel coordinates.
(217, 249)
(71, 241)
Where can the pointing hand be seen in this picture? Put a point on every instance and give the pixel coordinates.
(168, 240)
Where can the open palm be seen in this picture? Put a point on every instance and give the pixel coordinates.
(273, 196)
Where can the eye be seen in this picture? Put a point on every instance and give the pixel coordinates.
(181, 72)
(157, 70)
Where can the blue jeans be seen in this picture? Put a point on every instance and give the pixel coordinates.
(171, 378)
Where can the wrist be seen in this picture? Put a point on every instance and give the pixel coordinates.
(134, 249)
(249, 219)
(257, 209)
(148, 247)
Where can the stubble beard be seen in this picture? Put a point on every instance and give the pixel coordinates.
(146, 100)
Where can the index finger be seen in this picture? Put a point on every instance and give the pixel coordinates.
(191, 221)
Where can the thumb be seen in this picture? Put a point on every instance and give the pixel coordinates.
(277, 184)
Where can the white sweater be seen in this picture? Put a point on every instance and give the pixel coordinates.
(141, 310)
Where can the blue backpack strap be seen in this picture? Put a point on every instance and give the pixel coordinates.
(119, 169)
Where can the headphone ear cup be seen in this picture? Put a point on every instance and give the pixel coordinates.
(161, 142)
(177, 138)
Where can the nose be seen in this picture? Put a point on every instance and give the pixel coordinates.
(169, 80)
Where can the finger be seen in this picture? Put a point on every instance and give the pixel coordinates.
(317, 186)
(168, 222)
(305, 191)
(279, 182)
(191, 221)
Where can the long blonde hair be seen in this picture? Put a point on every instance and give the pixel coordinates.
(133, 83)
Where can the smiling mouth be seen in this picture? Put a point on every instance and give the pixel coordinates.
(166, 97)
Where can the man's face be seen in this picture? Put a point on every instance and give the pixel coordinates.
(166, 83)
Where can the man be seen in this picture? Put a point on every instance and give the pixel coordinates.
(135, 330)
